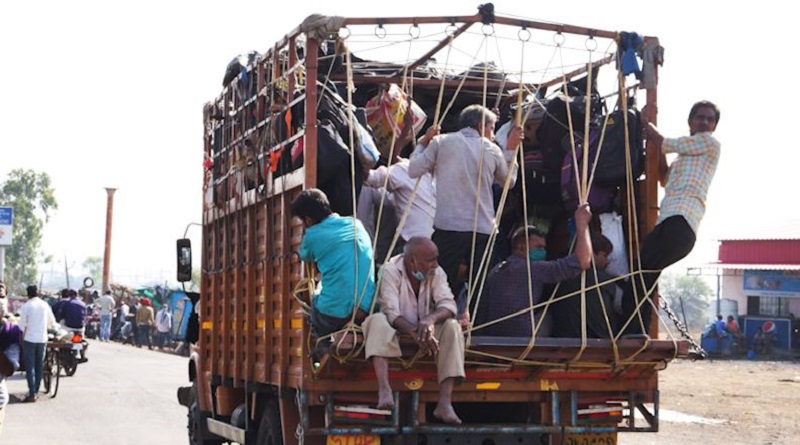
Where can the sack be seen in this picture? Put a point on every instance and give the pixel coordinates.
(611, 164)
(600, 196)
(386, 114)
(368, 152)
(332, 152)
(611, 226)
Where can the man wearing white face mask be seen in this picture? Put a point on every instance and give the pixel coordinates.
(506, 288)
(416, 300)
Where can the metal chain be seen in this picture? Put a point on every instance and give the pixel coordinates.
(699, 352)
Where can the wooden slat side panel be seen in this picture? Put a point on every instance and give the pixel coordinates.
(276, 321)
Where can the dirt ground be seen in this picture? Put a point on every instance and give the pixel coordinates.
(726, 402)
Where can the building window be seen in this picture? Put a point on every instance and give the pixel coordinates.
(773, 307)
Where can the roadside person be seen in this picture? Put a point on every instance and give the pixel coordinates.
(10, 343)
(35, 319)
(106, 303)
(163, 326)
(732, 328)
(343, 253)
(506, 289)
(3, 300)
(144, 322)
(74, 313)
(682, 208)
(416, 300)
(465, 164)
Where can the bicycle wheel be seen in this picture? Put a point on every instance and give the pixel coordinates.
(56, 375)
(47, 375)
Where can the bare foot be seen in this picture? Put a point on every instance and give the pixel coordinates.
(385, 401)
(446, 414)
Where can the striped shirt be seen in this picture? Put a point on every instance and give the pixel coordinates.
(689, 177)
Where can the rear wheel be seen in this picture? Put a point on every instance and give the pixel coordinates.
(198, 429)
(69, 362)
(269, 429)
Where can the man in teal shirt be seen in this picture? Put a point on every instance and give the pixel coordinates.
(343, 252)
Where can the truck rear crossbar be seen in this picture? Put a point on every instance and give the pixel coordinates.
(573, 425)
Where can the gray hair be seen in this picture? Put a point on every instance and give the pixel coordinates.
(474, 116)
(414, 243)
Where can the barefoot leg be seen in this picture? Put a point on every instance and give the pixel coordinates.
(385, 397)
(444, 409)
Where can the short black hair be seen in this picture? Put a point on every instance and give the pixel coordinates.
(705, 104)
(600, 243)
(32, 291)
(311, 203)
(523, 233)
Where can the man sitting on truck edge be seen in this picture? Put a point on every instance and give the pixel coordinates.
(415, 299)
(460, 162)
(328, 241)
(506, 288)
(682, 208)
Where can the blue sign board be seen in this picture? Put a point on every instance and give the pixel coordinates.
(772, 283)
(6, 216)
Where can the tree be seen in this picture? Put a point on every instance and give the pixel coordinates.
(692, 291)
(33, 199)
(94, 266)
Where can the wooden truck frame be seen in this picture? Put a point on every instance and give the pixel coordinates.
(252, 381)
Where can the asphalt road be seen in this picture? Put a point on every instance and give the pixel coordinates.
(122, 395)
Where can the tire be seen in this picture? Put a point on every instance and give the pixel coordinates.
(56, 376)
(70, 363)
(269, 429)
(196, 423)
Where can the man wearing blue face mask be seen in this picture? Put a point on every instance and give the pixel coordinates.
(416, 300)
(506, 290)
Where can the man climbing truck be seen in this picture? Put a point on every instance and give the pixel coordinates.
(317, 110)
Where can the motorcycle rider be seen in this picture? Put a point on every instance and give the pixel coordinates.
(73, 313)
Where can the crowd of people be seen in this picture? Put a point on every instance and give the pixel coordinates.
(428, 289)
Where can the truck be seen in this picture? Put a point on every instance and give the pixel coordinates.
(252, 375)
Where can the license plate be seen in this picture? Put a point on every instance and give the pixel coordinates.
(354, 439)
(591, 439)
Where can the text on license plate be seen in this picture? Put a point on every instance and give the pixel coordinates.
(591, 439)
(354, 439)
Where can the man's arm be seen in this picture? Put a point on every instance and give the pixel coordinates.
(424, 157)
(583, 242)
(504, 165)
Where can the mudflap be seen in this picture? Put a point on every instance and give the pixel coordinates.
(183, 395)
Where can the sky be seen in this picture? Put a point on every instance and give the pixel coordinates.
(110, 94)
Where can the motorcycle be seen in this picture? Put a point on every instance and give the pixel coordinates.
(71, 357)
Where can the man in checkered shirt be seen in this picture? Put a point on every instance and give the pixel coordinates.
(683, 206)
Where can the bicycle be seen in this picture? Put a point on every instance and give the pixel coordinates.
(52, 368)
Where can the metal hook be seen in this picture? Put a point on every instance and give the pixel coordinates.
(451, 29)
(344, 33)
(591, 39)
(559, 39)
(527, 34)
(380, 31)
(411, 31)
(488, 30)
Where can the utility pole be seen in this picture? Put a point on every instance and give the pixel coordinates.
(107, 254)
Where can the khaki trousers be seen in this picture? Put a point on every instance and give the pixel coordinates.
(380, 340)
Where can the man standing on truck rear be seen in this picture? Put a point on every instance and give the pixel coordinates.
(342, 250)
(464, 164)
(683, 206)
(416, 300)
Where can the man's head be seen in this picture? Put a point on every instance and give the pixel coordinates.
(730, 318)
(480, 118)
(719, 317)
(421, 258)
(32, 291)
(72, 294)
(601, 247)
(312, 206)
(529, 242)
(2, 290)
(531, 125)
(703, 117)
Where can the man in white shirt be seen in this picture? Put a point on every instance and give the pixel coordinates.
(35, 319)
(465, 164)
(106, 303)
